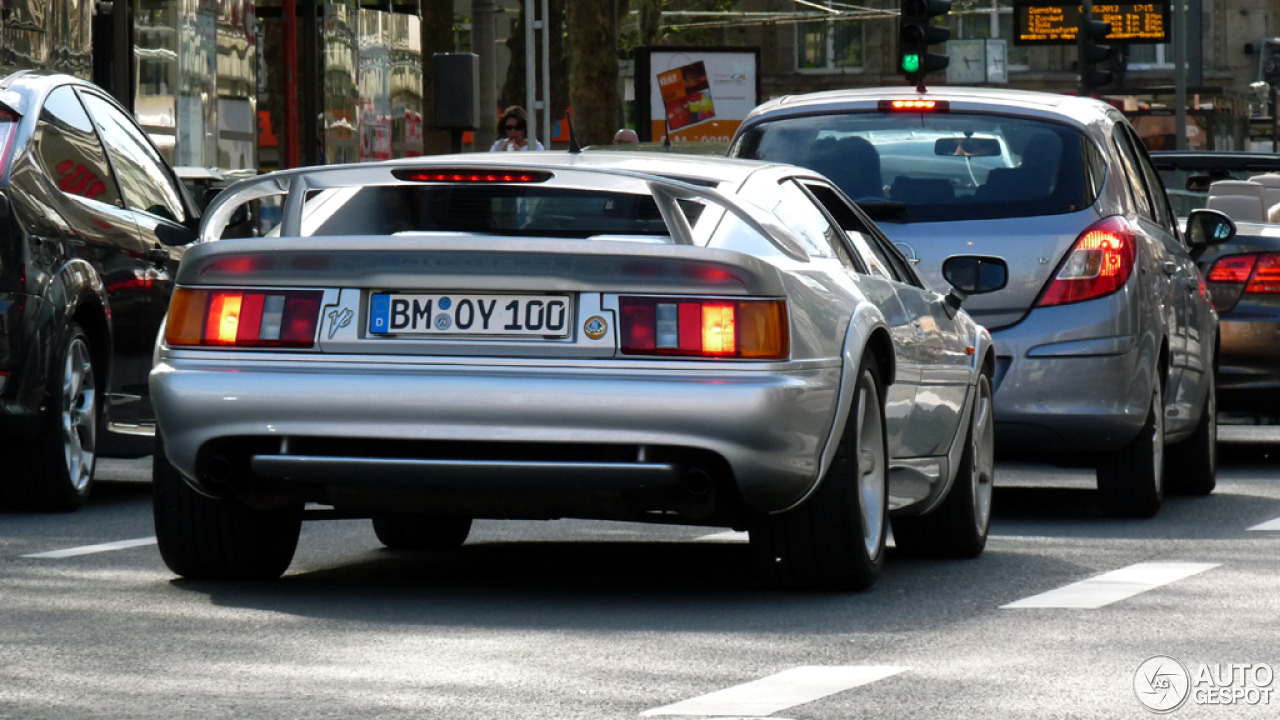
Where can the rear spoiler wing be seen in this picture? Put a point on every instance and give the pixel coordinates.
(296, 184)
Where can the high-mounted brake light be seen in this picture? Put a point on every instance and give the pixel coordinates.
(243, 318)
(704, 327)
(1099, 264)
(914, 105)
(1259, 273)
(471, 175)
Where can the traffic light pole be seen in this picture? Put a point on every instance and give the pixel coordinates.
(1082, 48)
(1180, 74)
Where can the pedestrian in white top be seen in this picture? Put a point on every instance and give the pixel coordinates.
(511, 129)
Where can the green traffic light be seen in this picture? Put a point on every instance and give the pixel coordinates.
(911, 63)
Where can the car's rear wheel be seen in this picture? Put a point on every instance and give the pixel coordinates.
(958, 527)
(1193, 464)
(422, 532)
(55, 472)
(202, 538)
(835, 539)
(1131, 482)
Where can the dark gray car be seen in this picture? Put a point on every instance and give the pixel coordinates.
(1106, 339)
(92, 224)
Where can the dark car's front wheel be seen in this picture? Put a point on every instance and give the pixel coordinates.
(201, 538)
(55, 471)
(835, 539)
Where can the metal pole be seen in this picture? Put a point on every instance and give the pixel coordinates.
(1180, 74)
(289, 12)
(484, 44)
(546, 76)
(310, 126)
(530, 65)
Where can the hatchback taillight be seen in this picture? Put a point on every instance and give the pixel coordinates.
(243, 318)
(1099, 263)
(704, 327)
(1259, 273)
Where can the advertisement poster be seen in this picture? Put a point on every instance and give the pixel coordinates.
(686, 95)
(695, 94)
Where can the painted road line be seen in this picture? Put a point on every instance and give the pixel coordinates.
(91, 549)
(1268, 525)
(1113, 586)
(775, 693)
(726, 536)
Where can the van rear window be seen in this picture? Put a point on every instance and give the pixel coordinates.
(938, 167)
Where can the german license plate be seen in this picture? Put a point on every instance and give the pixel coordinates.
(469, 314)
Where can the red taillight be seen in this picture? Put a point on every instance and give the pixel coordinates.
(471, 175)
(243, 318)
(1260, 273)
(702, 327)
(1099, 264)
(1233, 269)
(914, 105)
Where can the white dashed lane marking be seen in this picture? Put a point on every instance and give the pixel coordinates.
(91, 549)
(1268, 525)
(775, 693)
(1113, 586)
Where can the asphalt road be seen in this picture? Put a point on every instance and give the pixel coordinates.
(574, 619)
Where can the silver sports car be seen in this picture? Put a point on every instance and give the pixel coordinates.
(642, 337)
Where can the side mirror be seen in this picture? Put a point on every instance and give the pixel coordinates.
(1206, 228)
(973, 275)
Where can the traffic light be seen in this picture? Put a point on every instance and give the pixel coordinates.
(916, 35)
(1093, 35)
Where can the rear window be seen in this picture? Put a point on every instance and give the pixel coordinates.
(935, 167)
(525, 210)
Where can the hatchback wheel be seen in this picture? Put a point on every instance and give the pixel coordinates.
(958, 527)
(422, 532)
(1131, 482)
(835, 539)
(1193, 463)
(202, 538)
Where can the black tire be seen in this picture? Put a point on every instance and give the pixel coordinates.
(201, 538)
(958, 527)
(422, 532)
(1193, 463)
(835, 539)
(55, 472)
(1131, 482)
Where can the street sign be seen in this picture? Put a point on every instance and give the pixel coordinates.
(1054, 22)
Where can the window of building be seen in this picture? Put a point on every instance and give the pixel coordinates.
(990, 19)
(1143, 57)
(832, 42)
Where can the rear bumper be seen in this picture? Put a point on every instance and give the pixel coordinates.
(1248, 371)
(482, 428)
(1094, 400)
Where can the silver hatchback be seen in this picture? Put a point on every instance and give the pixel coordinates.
(1105, 335)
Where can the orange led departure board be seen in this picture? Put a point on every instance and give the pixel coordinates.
(1037, 22)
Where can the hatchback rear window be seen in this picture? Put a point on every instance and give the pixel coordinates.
(926, 167)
